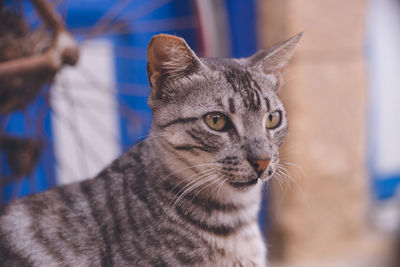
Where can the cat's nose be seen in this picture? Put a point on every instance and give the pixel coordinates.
(259, 165)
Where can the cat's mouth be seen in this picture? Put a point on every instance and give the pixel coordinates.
(244, 184)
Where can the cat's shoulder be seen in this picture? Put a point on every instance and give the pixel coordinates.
(71, 197)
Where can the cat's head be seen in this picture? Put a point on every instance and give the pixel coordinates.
(220, 118)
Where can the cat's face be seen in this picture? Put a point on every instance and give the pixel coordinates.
(219, 117)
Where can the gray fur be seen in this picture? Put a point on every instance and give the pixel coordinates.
(180, 197)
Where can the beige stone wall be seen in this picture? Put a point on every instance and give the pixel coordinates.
(322, 221)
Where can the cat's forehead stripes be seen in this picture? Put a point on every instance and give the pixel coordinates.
(267, 104)
(219, 103)
(243, 83)
(232, 108)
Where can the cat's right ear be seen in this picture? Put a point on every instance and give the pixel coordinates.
(168, 57)
(275, 59)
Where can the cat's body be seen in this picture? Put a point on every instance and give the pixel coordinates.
(130, 222)
(189, 194)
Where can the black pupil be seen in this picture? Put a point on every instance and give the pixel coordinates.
(215, 119)
(270, 117)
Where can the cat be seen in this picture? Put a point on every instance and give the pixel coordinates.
(189, 194)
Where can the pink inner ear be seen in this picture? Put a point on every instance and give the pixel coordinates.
(168, 54)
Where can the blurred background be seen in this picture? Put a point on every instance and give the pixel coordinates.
(339, 204)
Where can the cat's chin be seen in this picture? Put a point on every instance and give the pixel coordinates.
(244, 184)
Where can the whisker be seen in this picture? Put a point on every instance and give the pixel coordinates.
(279, 201)
(286, 182)
(220, 185)
(275, 178)
(187, 168)
(194, 183)
(223, 179)
(298, 167)
(193, 187)
(285, 173)
(204, 173)
(216, 180)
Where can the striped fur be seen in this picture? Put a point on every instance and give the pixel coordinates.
(186, 196)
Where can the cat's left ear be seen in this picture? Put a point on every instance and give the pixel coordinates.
(275, 59)
(169, 57)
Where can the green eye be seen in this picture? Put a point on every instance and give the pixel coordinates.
(216, 121)
(273, 120)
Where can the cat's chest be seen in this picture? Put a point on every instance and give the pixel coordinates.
(244, 249)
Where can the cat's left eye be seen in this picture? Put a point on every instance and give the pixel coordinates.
(273, 120)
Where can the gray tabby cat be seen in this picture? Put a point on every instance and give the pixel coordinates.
(186, 196)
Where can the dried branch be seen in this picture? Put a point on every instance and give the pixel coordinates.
(46, 12)
(64, 51)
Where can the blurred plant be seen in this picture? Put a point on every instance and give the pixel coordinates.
(29, 58)
(21, 155)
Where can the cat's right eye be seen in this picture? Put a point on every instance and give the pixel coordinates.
(216, 121)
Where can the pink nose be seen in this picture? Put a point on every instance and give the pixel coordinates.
(259, 165)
